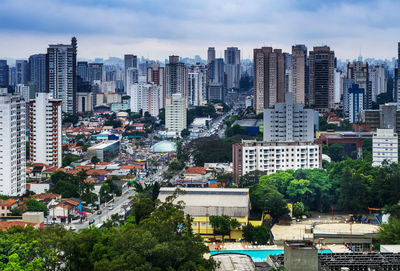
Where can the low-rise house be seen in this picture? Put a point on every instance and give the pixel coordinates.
(7, 205)
(195, 177)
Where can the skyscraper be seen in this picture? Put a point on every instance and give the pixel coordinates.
(37, 67)
(197, 85)
(210, 54)
(175, 78)
(299, 64)
(232, 67)
(130, 62)
(95, 72)
(269, 78)
(156, 75)
(22, 70)
(12, 147)
(359, 71)
(321, 82)
(356, 102)
(61, 74)
(4, 73)
(82, 70)
(175, 114)
(145, 97)
(45, 135)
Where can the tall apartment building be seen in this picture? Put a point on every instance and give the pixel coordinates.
(95, 72)
(145, 97)
(197, 85)
(338, 86)
(384, 147)
(82, 70)
(4, 73)
(270, 157)
(298, 73)
(12, 144)
(210, 55)
(176, 76)
(356, 102)
(45, 137)
(232, 67)
(176, 114)
(61, 74)
(347, 84)
(289, 121)
(396, 89)
(359, 71)
(378, 80)
(37, 67)
(156, 75)
(22, 71)
(269, 78)
(130, 61)
(321, 78)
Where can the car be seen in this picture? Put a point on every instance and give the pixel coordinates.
(72, 228)
(110, 207)
(99, 212)
(91, 221)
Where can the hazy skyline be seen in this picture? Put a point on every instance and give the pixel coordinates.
(155, 30)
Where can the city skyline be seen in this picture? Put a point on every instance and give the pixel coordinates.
(155, 31)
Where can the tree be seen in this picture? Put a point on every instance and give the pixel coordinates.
(337, 152)
(95, 160)
(185, 133)
(250, 178)
(389, 233)
(280, 180)
(32, 205)
(223, 224)
(142, 207)
(299, 190)
(258, 234)
(298, 209)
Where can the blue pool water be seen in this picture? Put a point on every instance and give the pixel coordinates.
(260, 255)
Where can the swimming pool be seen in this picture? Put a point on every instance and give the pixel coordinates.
(260, 255)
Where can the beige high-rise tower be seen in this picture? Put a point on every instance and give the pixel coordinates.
(299, 60)
(269, 78)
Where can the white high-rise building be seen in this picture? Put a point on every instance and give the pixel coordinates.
(145, 97)
(45, 138)
(289, 122)
(197, 85)
(175, 113)
(338, 86)
(12, 144)
(270, 157)
(384, 147)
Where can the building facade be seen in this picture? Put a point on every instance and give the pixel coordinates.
(4, 73)
(37, 67)
(384, 147)
(61, 74)
(176, 114)
(232, 67)
(321, 78)
(176, 76)
(289, 121)
(12, 144)
(270, 157)
(356, 102)
(45, 130)
(156, 75)
(197, 85)
(298, 73)
(359, 71)
(130, 61)
(145, 97)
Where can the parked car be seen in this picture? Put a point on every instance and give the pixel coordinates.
(111, 207)
(91, 221)
(99, 212)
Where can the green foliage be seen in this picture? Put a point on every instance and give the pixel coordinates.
(200, 112)
(225, 178)
(108, 189)
(210, 150)
(95, 160)
(337, 152)
(162, 241)
(258, 234)
(69, 118)
(223, 224)
(389, 233)
(235, 130)
(265, 198)
(185, 133)
(298, 209)
(113, 123)
(251, 178)
(69, 158)
(32, 205)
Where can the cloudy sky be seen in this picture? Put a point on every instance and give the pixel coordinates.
(158, 28)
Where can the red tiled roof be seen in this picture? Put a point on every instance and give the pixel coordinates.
(70, 202)
(5, 225)
(131, 167)
(103, 163)
(75, 171)
(65, 206)
(196, 170)
(97, 172)
(51, 169)
(8, 202)
(46, 196)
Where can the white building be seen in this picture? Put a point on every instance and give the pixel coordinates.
(384, 147)
(45, 137)
(338, 87)
(12, 144)
(175, 114)
(197, 85)
(145, 97)
(289, 122)
(270, 157)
